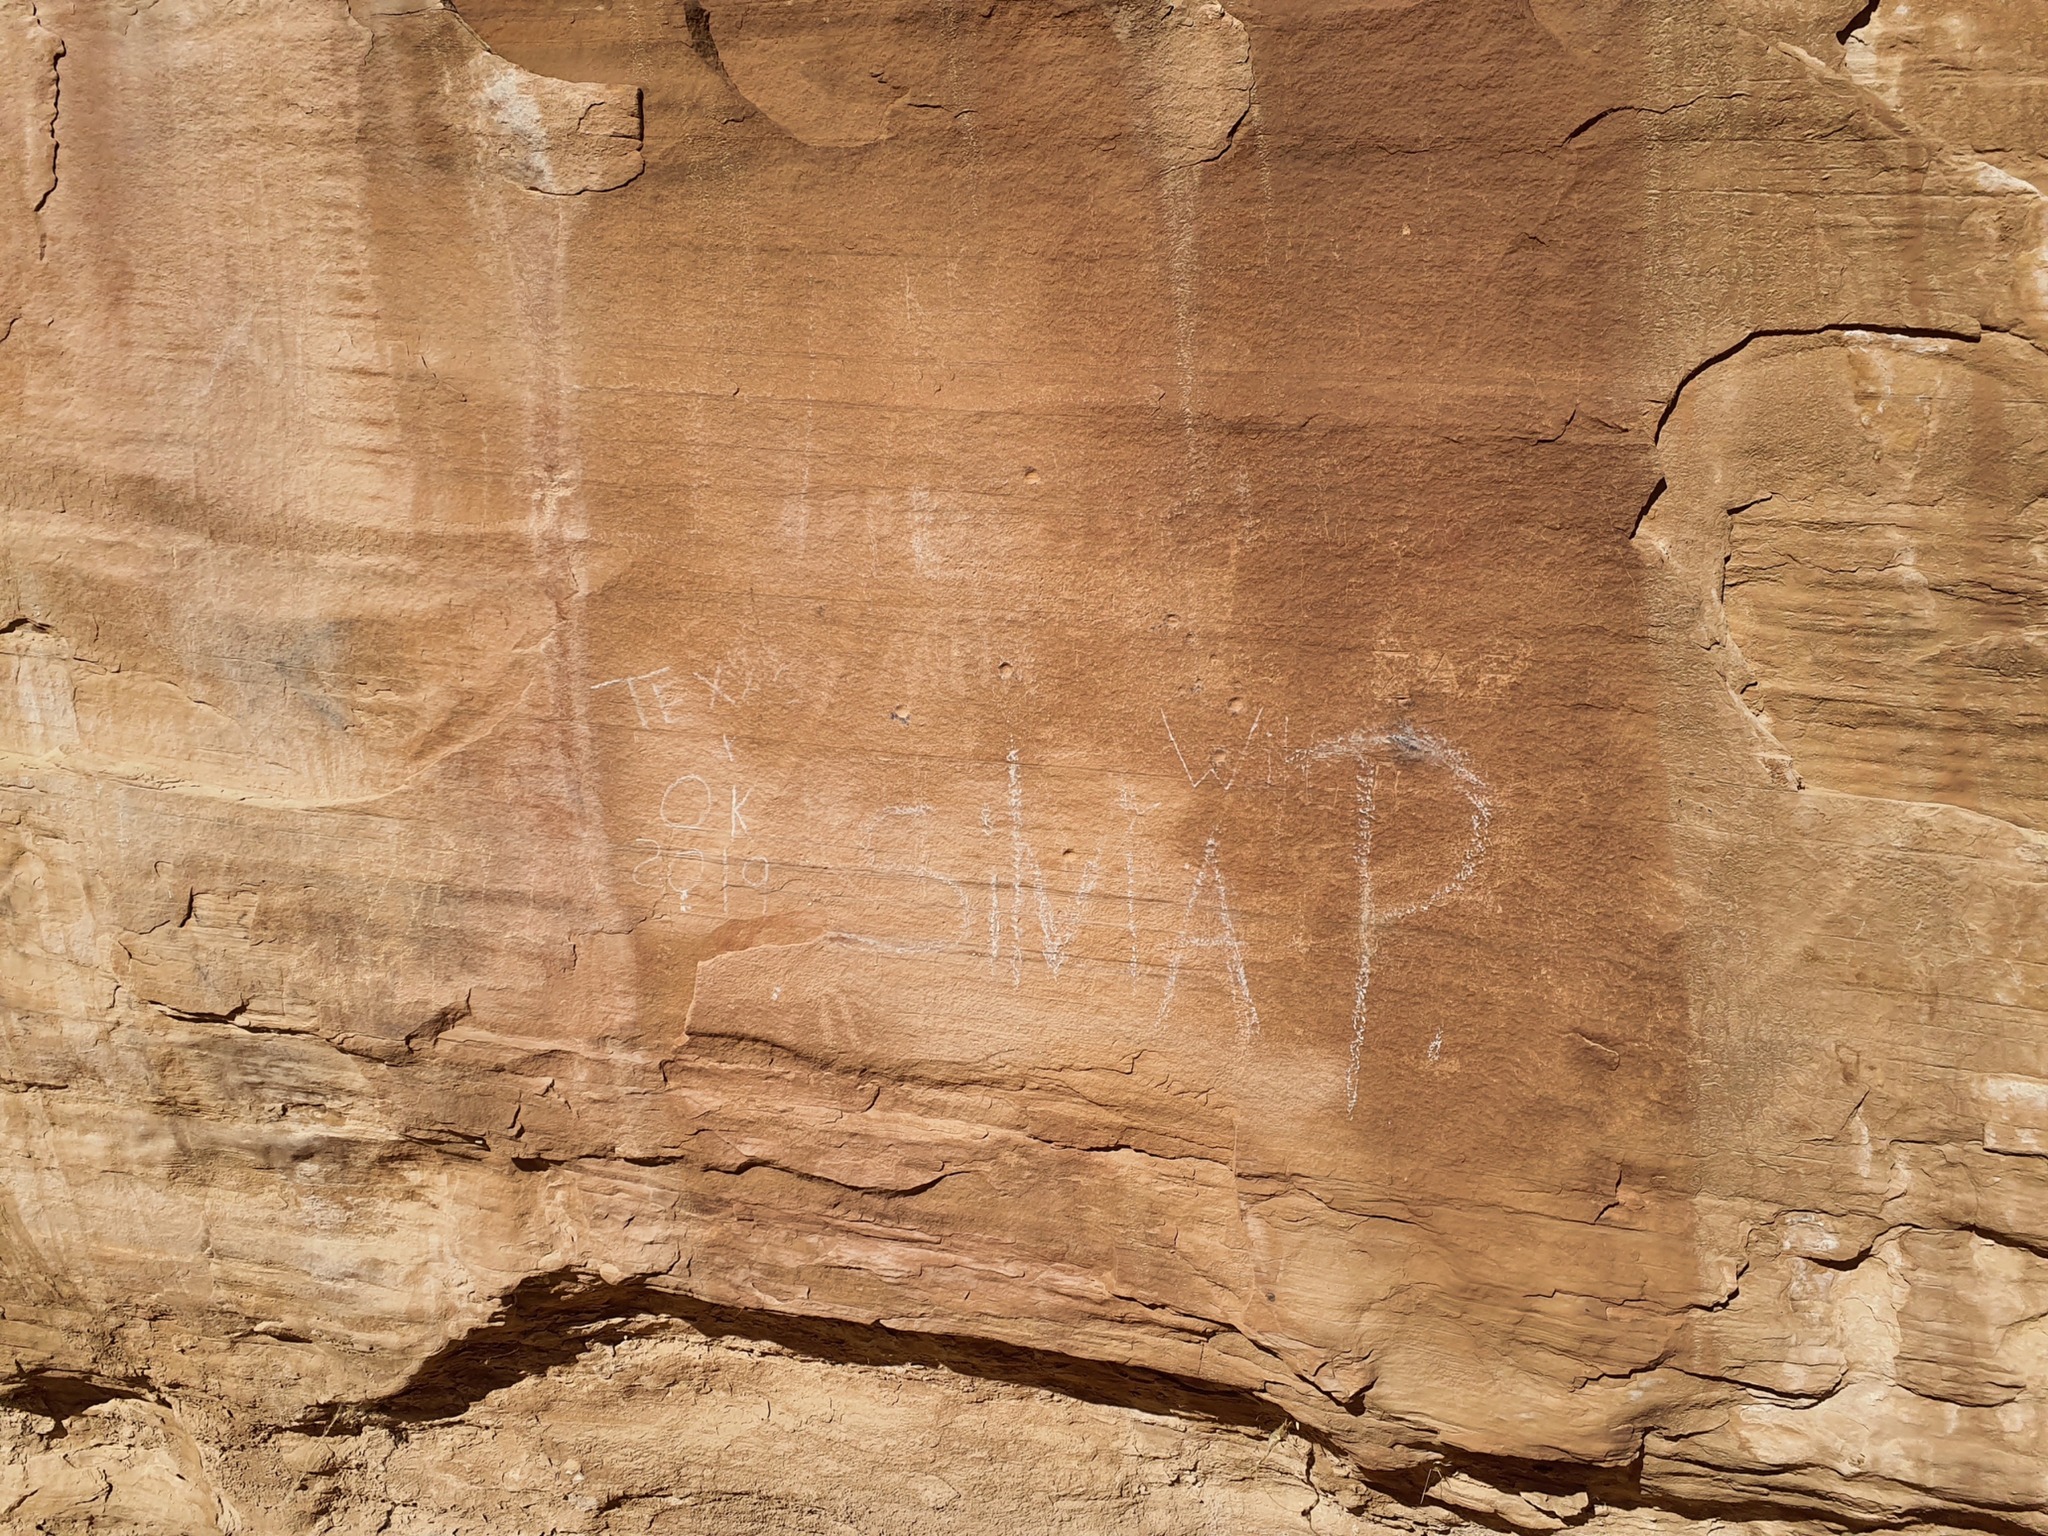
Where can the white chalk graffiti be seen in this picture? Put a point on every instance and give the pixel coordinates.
(1056, 931)
(915, 818)
(902, 888)
(1368, 753)
(692, 842)
(658, 700)
(642, 688)
(1218, 758)
(1223, 940)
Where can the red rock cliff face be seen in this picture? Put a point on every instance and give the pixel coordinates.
(1092, 767)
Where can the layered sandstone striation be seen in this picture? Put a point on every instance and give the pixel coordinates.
(934, 766)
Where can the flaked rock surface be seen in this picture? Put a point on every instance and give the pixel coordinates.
(862, 766)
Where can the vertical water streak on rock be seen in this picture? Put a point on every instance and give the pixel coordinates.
(534, 235)
(1178, 191)
(1190, 71)
(558, 528)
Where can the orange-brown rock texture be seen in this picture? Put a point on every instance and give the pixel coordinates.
(961, 766)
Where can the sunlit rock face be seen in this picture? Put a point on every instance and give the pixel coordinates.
(893, 765)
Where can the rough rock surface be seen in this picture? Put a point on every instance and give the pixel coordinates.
(963, 765)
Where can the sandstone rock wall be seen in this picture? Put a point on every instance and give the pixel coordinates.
(913, 765)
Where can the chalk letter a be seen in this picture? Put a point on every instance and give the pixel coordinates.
(1220, 935)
